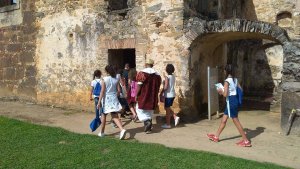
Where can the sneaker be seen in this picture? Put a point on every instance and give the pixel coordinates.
(122, 134)
(213, 138)
(176, 121)
(147, 125)
(101, 134)
(245, 143)
(165, 126)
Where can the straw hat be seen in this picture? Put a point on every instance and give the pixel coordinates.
(150, 61)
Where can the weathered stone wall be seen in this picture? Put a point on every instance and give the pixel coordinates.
(66, 53)
(268, 10)
(17, 51)
(11, 14)
(74, 39)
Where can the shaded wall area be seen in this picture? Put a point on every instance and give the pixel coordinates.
(259, 65)
(17, 52)
(204, 53)
(220, 9)
(204, 9)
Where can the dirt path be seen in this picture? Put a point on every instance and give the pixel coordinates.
(269, 144)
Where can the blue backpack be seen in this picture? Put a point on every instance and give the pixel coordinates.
(239, 95)
(97, 89)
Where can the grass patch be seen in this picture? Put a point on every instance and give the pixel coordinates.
(24, 145)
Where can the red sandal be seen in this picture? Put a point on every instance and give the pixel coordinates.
(213, 137)
(244, 143)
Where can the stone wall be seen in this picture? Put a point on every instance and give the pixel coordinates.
(267, 10)
(17, 51)
(74, 39)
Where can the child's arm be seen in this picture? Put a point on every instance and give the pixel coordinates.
(101, 94)
(91, 94)
(166, 84)
(119, 90)
(129, 85)
(225, 91)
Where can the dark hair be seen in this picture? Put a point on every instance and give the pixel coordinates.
(229, 70)
(170, 69)
(120, 71)
(110, 70)
(97, 73)
(132, 74)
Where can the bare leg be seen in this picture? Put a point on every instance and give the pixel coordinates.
(222, 125)
(240, 128)
(132, 109)
(103, 120)
(117, 120)
(174, 114)
(168, 115)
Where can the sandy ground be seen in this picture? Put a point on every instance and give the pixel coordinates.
(263, 128)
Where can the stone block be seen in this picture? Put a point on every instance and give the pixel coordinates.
(28, 17)
(30, 82)
(30, 71)
(29, 46)
(9, 73)
(26, 57)
(7, 61)
(154, 8)
(290, 100)
(1, 75)
(14, 47)
(20, 72)
(29, 30)
(27, 91)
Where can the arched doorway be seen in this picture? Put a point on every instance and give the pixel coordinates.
(202, 36)
(258, 65)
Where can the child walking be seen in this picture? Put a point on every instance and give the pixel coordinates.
(110, 104)
(96, 89)
(169, 93)
(229, 92)
(122, 97)
(132, 89)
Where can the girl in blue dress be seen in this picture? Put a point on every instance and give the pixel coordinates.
(231, 111)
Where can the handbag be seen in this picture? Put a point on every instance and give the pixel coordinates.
(96, 122)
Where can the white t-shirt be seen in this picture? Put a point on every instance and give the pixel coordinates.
(170, 92)
(232, 86)
(118, 76)
(111, 84)
(94, 82)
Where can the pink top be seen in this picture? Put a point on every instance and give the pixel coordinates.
(133, 88)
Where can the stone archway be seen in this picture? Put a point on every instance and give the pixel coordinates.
(240, 29)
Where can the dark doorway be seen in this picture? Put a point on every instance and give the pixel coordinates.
(119, 57)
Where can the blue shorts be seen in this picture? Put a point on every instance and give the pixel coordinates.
(231, 109)
(169, 101)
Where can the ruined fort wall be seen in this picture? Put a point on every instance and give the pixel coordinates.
(17, 50)
(75, 36)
